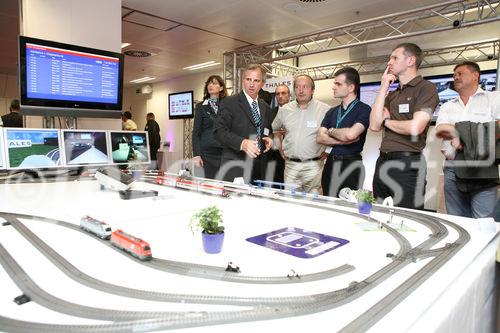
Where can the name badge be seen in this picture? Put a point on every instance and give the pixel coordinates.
(266, 131)
(312, 124)
(404, 108)
(328, 149)
(481, 112)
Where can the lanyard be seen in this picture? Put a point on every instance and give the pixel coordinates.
(340, 116)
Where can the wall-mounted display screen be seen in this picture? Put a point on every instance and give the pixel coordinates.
(85, 147)
(444, 85)
(32, 148)
(180, 105)
(60, 79)
(129, 147)
(2, 158)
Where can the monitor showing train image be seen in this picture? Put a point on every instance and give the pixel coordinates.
(32, 148)
(85, 147)
(129, 147)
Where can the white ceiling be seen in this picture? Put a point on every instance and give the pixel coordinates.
(183, 33)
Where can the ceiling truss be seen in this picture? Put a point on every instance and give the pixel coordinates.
(430, 19)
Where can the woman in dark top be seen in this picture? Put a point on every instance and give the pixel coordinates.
(206, 150)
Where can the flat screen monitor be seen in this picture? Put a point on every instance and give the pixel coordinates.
(180, 105)
(2, 157)
(129, 147)
(83, 147)
(32, 148)
(58, 79)
(444, 85)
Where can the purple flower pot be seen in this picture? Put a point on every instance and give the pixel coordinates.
(364, 207)
(212, 243)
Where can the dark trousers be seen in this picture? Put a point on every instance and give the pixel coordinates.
(250, 169)
(211, 158)
(402, 177)
(276, 167)
(340, 173)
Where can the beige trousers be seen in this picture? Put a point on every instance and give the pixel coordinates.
(305, 175)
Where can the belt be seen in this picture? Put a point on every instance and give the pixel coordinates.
(346, 157)
(398, 154)
(306, 160)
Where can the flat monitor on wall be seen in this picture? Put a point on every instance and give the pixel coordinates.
(32, 148)
(129, 147)
(83, 147)
(2, 157)
(58, 79)
(180, 105)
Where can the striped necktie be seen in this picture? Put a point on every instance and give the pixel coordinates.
(256, 119)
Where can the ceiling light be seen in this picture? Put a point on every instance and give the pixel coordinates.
(124, 45)
(143, 79)
(202, 65)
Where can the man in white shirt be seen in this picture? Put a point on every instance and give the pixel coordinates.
(301, 120)
(467, 197)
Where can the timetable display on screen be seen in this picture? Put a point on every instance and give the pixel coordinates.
(63, 74)
(32, 148)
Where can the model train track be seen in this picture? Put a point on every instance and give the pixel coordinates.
(324, 301)
(199, 270)
(75, 274)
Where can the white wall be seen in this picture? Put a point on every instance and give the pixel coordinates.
(91, 23)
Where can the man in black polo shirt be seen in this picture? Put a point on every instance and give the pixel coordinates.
(344, 130)
(404, 115)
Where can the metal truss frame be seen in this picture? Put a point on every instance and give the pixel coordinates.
(477, 52)
(187, 133)
(425, 20)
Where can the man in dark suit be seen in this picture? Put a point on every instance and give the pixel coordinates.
(13, 119)
(243, 128)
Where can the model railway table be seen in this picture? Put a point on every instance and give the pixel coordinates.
(421, 273)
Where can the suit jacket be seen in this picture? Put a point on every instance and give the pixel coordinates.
(13, 119)
(153, 130)
(234, 124)
(203, 129)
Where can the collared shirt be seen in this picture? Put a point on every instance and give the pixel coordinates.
(301, 126)
(251, 100)
(360, 113)
(483, 106)
(402, 103)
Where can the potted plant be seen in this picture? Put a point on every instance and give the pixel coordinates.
(365, 200)
(209, 220)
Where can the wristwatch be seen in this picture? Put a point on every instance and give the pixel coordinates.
(383, 121)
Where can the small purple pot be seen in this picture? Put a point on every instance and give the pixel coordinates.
(212, 243)
(364, 207)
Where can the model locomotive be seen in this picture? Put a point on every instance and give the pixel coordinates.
(131, 244)
(96, 227)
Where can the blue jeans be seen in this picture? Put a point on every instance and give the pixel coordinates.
(475, 204)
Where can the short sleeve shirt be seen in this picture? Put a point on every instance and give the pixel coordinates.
(483, 106)
(360, 113)
(402, 103)
(301, 126)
